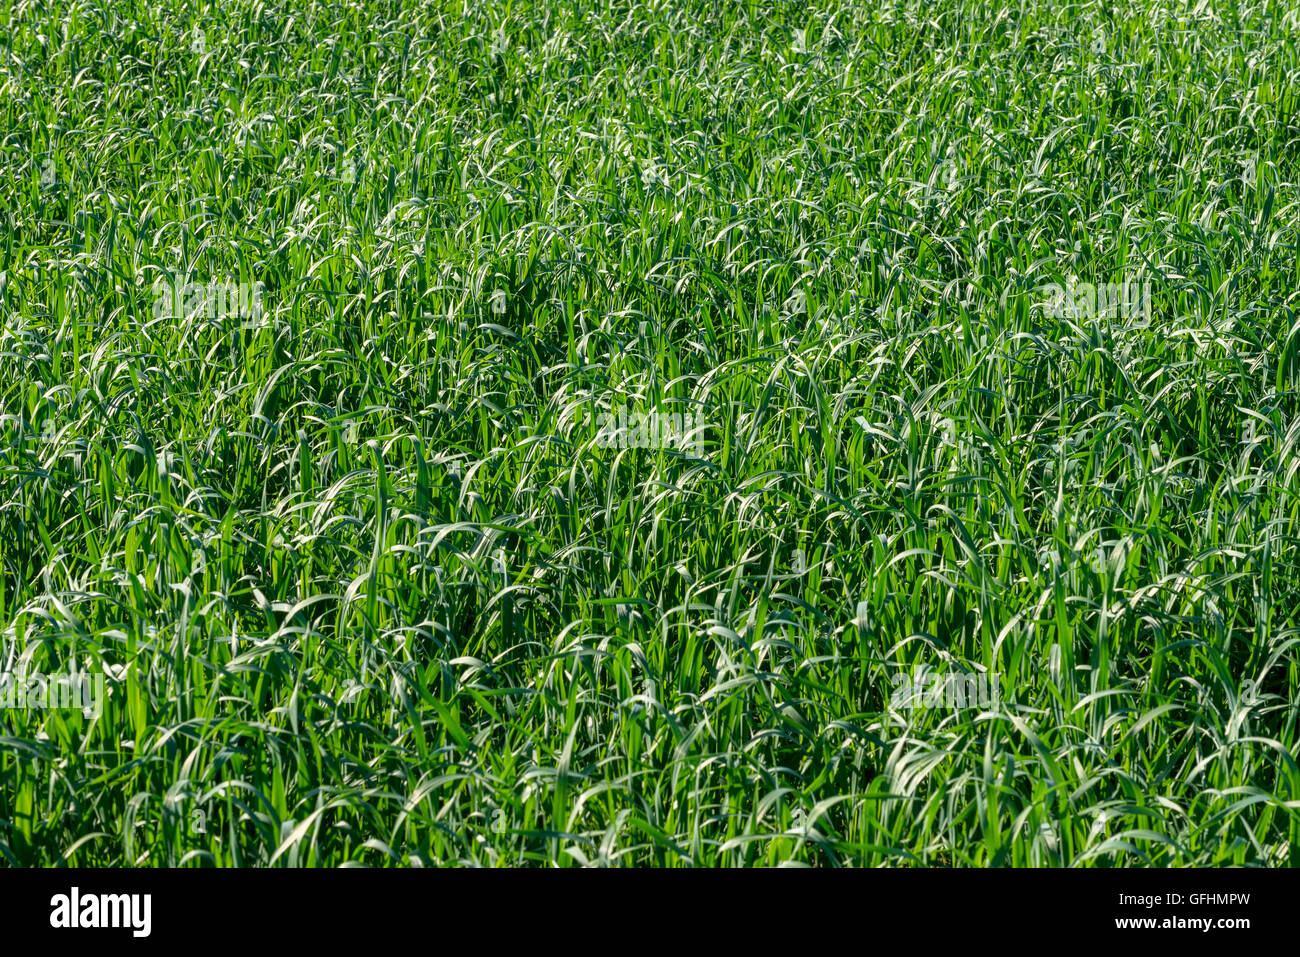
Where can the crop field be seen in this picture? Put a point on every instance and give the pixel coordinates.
(667, 433)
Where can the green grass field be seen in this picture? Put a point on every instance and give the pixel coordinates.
(316, 316)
